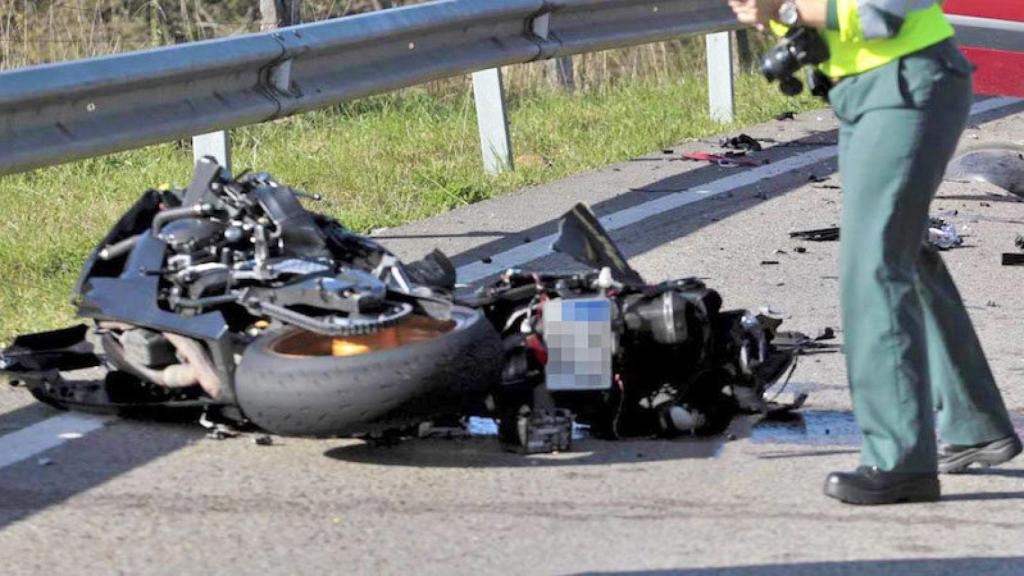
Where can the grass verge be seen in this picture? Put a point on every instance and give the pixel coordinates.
(379, 162)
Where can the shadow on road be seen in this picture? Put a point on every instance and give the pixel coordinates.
(682, 221)
(980, 496)
(810, 454)
(833, 430)
(923, 567)
(487, 453)
(55, 476)
(678, 223)
(472, 234)
(25, 416)
(1009, 473)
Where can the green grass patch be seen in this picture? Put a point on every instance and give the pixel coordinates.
(380, 162)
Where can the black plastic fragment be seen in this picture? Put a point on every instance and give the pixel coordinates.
(817, 235)
(742, 142)
(1013, 259)
(582, 237)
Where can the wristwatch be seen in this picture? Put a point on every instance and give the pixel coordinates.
(789, 14)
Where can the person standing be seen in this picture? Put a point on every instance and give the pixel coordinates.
(902, 92)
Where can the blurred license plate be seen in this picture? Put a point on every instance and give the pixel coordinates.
(578, 334)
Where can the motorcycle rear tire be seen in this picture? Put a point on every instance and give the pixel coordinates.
(324, 396)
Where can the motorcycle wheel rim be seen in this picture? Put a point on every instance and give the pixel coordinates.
(412, 330)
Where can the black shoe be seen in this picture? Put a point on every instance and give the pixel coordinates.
(955, 459)
(869, 485)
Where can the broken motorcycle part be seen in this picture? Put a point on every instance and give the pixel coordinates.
(741, 142)
(817, 235)
(676, 362)
(723, 160)
(537, 432)
(1001, 165)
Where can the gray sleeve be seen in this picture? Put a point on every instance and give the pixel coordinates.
(884, 18)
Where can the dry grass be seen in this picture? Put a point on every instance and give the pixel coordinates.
(38, 31)
(43, 31)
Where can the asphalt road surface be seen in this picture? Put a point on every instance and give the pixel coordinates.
(81, 494)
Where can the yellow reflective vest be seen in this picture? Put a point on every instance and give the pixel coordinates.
(865, 34)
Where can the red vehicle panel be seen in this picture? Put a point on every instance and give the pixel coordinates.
(995, 9)
(991, 34)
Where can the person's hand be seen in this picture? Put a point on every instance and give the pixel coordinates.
(756, 13)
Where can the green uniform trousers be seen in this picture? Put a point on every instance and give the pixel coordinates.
(911, 350)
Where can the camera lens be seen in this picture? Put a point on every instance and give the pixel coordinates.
(777, 63)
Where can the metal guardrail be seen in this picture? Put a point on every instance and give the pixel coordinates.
(55, 113)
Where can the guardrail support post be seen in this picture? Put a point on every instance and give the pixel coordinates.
(495, 143)
(216, 144)
(721, 94)
(559, 72)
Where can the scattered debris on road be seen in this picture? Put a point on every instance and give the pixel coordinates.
(727, 159)
(741, 142)
(787, 115)
(943, 234)
(817, 235)
(806, 346)
(216, 430)
(1015, 258)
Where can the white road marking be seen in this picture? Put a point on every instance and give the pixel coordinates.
(50, 433)
(542, 247)
(47, 434)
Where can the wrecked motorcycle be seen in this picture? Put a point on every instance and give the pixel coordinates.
(231, 298)
(621, 355)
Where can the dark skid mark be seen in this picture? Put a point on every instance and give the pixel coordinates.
(915, 567)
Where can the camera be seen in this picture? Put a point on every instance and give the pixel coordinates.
(801, 46)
